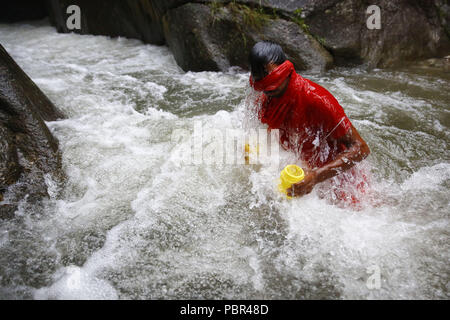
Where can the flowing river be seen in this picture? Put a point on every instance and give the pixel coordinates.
(131, 222)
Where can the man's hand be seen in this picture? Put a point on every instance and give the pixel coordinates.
(356, 151)
(303, 187)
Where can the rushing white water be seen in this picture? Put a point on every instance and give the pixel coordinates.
(130, 222)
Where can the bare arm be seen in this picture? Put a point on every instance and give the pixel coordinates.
(357, 150)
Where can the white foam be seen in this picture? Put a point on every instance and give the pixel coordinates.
(72, 283)
(428, 177)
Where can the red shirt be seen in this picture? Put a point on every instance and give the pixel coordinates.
(310, 121)
(313, 122)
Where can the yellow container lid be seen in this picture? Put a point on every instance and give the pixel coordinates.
(292, 174)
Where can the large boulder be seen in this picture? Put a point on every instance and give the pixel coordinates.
(204, 37)
(443, 12)
(28, 149)
(143, 19)
(410, 30)
(138, 19)
(282, 6)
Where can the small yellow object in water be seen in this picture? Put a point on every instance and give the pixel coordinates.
(249, 150)
(291, 174)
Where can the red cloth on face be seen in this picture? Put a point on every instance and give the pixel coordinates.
(309, 118)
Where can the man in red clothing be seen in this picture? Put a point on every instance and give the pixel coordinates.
(310, 119)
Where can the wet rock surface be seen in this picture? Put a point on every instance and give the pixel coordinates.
(410, 30)
(202, 38)
(29, 152)
(317, 34)
(139, 19)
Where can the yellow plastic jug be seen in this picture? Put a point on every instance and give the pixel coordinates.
(291, 174)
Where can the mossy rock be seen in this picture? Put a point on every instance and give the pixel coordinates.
(204, 37)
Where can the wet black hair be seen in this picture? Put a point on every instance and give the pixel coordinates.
(263, 53)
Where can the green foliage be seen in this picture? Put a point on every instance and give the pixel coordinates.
(257, 16)
(298, 19)
(215, 7)
(275, 14)
(298, 11)
(321, 41)
(244, 16)
(254, 17)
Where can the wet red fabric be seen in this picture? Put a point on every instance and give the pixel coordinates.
(309, 118)
(275, 78)
(310, 121)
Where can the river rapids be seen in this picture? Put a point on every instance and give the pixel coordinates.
(131, 222)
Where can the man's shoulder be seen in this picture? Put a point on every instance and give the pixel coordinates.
(320, 98)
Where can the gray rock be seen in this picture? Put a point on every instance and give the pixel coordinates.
(138, 19)
(443, 12)
(9, 162)
(285, 6)
(203, 38)
(409, 31)
(143, 19)
(187, 35)
(435, 63)
(300, 47)
(28, 149)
